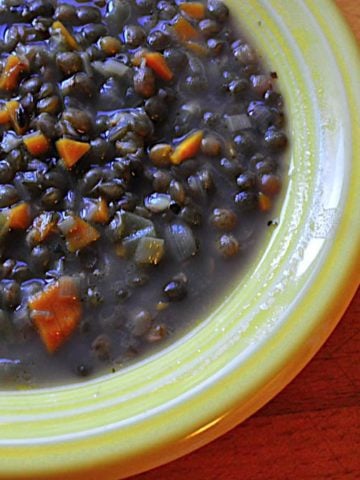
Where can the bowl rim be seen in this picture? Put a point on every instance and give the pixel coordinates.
(177, 438)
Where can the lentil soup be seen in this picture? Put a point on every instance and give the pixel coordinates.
(140, 158)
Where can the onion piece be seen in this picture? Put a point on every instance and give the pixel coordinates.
(112, 68)
(10, 141)
(235, 123)
(157, 202)
(123, 125)
(129, 226)
(260, 114)
(181, 241)
(46, 315)
(69, 287)
(67, 224)
(149, 251)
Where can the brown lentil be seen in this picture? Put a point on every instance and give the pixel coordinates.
(160, 154)
(223, 219)
(228, 246)
(110, 45)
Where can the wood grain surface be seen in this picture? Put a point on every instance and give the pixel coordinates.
(311, 430)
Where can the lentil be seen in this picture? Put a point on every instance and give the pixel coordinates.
(228, 246)
(175, 291)
(223, 219)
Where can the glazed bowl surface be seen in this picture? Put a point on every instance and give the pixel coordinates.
(274, 318)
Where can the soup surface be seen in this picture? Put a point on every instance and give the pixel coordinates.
(140, 158)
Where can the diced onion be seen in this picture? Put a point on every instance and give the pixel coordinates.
(149, 251)
(235, 123)
(66, 225)
(157, 202)
(10, 141)
(44, 314)
(111, 67)
(181, 241)
(261, 114)
(68, 287)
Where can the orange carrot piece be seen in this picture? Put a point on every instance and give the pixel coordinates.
(4, 116)
(188, 148)
(20, 216)
(194, 10)
(12, 107)
(9, 79)
(101, 212)
(56, 312)
(184, 30)
(80, 235)
(43, 226)
(70, 40)
(36, 143)
(197, 48)
(265, 203)
(71, 151)
(157, 63)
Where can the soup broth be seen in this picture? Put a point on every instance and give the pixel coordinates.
(140, 158)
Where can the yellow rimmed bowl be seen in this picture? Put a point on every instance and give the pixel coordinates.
(269, 324)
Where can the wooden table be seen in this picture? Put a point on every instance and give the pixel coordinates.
(311, 430)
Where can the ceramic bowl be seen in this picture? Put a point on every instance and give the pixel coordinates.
(270, 323)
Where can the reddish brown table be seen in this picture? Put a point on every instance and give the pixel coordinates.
(311, 430)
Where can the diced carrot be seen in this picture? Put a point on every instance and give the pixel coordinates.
(56, 312)
(193, 9)
(157, 63)
(80, 235)
(70, 40)
(20, 216)
(188, 148)
(43, 226)
(12, 107)
(101, 213)
(4, 116)
(184, 30)
(36, 143)
(71, 151)
(9, 79)
(265, 203)
(197, 48)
